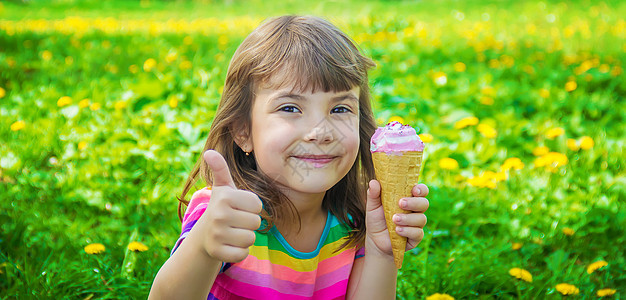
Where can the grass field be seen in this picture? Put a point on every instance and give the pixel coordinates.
(105, 105)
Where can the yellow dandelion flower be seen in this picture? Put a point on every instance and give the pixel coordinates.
(83, 103)
(544, 93)
(488, 91)
(487, 131)
(512, 163)
(486, 100)
(440, 78)
(95, 248)
(616, 71)
(557, 159)
(460, 67)
(426, 137)
(572, 144)
(568, 231)
(438, 296)
(46, 55)
(571, 86)
(137, 247)
(149, 64)
(604, 68)
(2, 93)
(188, 40)
(586, 143)
(500, 176)
(567, 289)
(605, 292)
(170, 57)
(396, 119)
(541, 150)
(477, 181)
(554, 132)
(185, 65)
(82, 145)
(19, 125)
(119, 105)
(468, 121)
(521, 274)
(95, 106)
(596, 265)
(133, 69)
(64, 101)
(173, 102)
(448, 163)
(516, 246)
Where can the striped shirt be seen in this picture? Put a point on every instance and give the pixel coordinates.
(275, 270)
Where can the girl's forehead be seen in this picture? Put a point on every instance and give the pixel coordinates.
(294, 83)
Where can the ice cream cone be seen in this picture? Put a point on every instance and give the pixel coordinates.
(397, 173)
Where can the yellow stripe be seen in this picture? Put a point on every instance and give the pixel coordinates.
(303, 265)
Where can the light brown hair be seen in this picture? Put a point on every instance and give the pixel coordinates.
(310, 53)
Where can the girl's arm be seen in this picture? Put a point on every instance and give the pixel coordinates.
(188, 274)
(223, 233)
(374, 276)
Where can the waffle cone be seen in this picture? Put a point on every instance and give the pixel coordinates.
(397, 174)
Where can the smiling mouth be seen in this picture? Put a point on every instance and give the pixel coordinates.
(318, 161)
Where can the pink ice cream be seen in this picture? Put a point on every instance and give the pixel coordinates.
(396, 137)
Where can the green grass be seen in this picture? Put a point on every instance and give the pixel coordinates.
(57, 197)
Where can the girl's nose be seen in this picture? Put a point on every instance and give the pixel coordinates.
(321, 133)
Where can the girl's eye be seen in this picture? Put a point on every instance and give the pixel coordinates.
(289, 108)
(340, 109)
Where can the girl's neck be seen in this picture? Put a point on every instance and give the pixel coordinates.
(309, 207)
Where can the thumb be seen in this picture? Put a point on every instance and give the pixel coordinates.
(373, 196)
(217, 164)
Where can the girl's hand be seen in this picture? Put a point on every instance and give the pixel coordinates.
(410, 225)
(226, 229)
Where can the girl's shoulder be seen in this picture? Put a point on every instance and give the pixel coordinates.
(197, 203)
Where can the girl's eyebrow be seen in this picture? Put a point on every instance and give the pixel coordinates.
(346, 96)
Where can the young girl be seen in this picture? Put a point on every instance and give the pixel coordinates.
(288, 213)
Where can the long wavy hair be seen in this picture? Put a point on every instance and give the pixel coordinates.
(310, 53)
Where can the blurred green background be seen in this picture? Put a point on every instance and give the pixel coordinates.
(105, 106)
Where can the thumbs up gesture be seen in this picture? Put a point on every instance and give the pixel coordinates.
(226, 229)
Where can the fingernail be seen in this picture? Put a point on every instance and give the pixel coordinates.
(419, 192)
(404, 203)
(397, 218)
(399, 229)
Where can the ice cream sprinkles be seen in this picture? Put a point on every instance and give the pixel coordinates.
(397, 154)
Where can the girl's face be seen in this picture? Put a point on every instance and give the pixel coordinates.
(306, 141)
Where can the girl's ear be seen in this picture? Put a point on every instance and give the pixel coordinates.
(242, 138)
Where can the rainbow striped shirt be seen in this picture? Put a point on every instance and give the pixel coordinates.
(274, 270)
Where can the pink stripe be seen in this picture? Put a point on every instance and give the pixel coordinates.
(292, 286)
(195, 214)
(250, 291)
(338, 290)
(285, 273)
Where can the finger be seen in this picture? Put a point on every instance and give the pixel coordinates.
(373, 195)
(412, 233)
(246, 201)
(219, 167)
(245, 220)
(417, 204)
(420, 190)
(413, 242)
(414, 220)
(236, 237)
(230, 254)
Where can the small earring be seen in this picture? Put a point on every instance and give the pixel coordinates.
(247, 153)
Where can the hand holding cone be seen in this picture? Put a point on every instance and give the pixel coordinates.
(397, 155)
